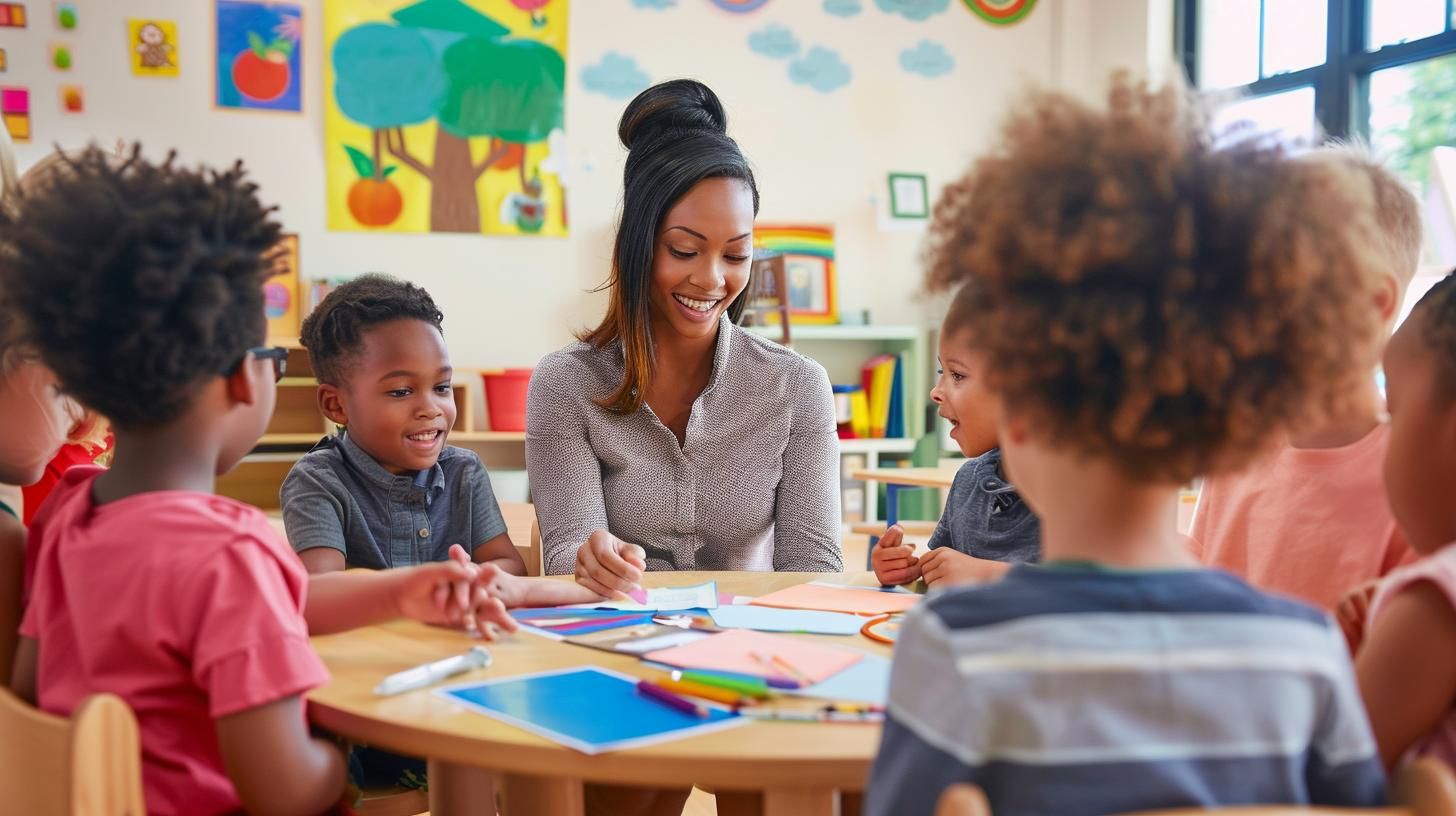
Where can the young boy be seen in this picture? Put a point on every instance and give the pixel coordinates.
(141, 287)
(1145, 308)
(985, 526)
(387, 491)
(1312, 520)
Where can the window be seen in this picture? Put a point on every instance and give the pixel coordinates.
(1379, 70)
(1382, 70)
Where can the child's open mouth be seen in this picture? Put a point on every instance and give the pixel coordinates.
(425, 440)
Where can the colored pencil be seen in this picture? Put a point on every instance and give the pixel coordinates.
(691, 689)
(815, 715)
(661, 695)
(746, 685)
(774, 662)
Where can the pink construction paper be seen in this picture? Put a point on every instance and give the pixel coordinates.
(735, 650)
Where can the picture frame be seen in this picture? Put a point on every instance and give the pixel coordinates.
(283, 292)
(810, 271)
(909, 196)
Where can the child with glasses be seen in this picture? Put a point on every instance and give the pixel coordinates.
(141, 286)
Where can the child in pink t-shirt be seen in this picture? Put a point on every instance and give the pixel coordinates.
(1312, 520)
(1407, 661)
(141, 287)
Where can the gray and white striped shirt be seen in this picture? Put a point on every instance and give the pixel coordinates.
(754, 485)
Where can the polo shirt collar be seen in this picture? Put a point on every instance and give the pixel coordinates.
(431, 481)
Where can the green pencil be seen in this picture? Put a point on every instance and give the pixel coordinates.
(747, 686)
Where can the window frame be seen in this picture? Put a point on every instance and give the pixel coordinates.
(1340, 83)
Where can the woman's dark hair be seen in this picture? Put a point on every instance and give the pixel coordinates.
(676, 135)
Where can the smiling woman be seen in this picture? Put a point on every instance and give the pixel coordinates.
(668, 438)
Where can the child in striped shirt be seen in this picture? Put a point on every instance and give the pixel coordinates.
(1145, 308)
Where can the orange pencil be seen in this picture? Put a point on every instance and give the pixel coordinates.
(692, 689)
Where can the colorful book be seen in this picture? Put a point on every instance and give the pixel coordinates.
(877, 377)
(895, 424)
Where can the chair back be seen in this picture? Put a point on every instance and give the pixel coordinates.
(89, 765)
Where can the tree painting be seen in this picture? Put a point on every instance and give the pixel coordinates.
(440, 116)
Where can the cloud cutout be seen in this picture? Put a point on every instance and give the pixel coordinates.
(913, 9)
(774, 41)
(655, 5)
(843, 8)
(927, 59)
(820, 69)
(616, 76)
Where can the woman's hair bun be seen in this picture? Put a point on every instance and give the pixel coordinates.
(675, 106)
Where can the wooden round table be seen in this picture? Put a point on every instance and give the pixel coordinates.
(800, 768)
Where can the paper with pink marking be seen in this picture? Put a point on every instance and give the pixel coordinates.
(747, 652)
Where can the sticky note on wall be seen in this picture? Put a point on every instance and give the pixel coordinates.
(15, 108)
(12, 15)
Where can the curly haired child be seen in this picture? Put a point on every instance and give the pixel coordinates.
(1146, 308)
(141, 287)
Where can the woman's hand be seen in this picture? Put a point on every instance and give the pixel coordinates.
(609, 566)
(893, 560)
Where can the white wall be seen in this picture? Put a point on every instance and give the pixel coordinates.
(819, 158)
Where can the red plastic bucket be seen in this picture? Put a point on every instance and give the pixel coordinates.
(505, 398)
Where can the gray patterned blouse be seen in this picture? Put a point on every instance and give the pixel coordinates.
(754, 486)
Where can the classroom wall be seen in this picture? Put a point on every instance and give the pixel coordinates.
(819, 157)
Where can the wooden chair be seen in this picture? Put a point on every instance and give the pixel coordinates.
(768, 292)
(89, 765)
(393, 802)
(962, 800)
(535, 563)
(521, 524)
(1425, 787)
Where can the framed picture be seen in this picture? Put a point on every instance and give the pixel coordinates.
(808, 252)
(282, 292)
(909, 196)
(258, 58)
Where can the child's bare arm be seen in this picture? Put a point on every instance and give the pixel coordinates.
(449, 593)
(319, 560)
(517, 591)
(1417, 628)
(501, 551)
(275, 764)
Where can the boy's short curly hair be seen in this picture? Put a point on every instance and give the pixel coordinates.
(138, 281)
(332, 333)
(1439, 331)
(1148, 299)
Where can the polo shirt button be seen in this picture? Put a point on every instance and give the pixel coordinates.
(424, 532)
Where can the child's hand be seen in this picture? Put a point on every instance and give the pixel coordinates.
(944, 566)
(452, 593)
(609, 566)
(1352, 612)
(893, 560)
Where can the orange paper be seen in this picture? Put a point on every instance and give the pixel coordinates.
(735, 650)
(832, 599)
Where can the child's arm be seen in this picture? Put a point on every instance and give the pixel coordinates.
(501, 551)
(319, 560)
(276, 766)
(893, 560)
(1417, 628)
(944, 566)
(454, 593)
(517, 591)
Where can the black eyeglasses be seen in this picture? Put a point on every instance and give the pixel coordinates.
(278, 354)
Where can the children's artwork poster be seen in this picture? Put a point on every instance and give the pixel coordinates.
(153, 47)
(281, 291)
(446, 116)
(15, 108)
(259, 54)
(1001, 12)
(12, 15)
(809, 268)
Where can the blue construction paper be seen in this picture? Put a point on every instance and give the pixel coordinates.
(867, 681)
(589, 709)
(769, 619)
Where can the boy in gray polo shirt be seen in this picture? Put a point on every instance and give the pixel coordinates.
(387, 491)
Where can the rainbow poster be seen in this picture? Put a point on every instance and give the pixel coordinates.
(809, 261)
